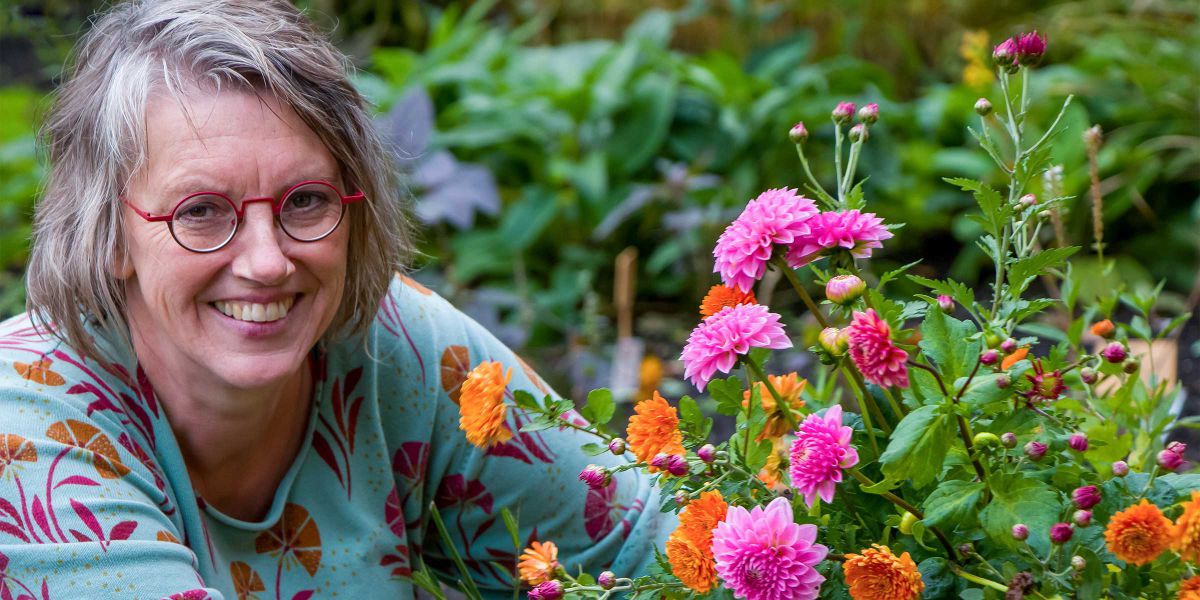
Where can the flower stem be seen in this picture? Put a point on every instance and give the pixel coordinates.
(1149, 483)
(790, 274)
(898, 501)
(866, 414)
(780, 405)
(837, 162)
(812, 180)
(964, 430)
(852, 374)
(851, 166)
(978, 580)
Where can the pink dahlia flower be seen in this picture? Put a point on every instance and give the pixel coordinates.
(762, 554)
(717, 342)
(821, 450)
(774, 217)
(855, 231)
(881, 362)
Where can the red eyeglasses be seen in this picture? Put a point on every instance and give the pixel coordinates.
(206, 221)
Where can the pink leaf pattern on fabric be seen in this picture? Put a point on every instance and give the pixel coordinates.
(601, 511)
(75, 480)
(410, 460)
(122, 530)
(389, 318)
(342, 431)
(88, 518)
(525, 446)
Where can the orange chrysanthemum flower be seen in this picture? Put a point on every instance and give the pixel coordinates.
(772, 473)
(1138, 534)
(654, 429)
(481, 405)
(538, 562)
(720, 296)
(689, 549)
(1186, 536)
(1190, 589)
(877, 574)
(1103, 328)
(790, 387)
(1014, 358)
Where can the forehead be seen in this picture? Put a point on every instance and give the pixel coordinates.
(239, 139)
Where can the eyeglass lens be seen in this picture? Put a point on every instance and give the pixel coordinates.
(208, 221)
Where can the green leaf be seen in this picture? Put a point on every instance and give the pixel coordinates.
(958, 291)
(996, 211)
(525, 400)
(510, 524)
(599, 408)
(939, 580)
(1022, 271)
(1020, 499)
(894, 273)
(593, 449)
(918, 446)
(953, 502)
(944, 341)
(728, 395)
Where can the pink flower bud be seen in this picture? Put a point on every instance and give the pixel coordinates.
(662, 460)
(1078, 562)
(1078, 442)
(989, 357)
(1171, 458)
(617, 446)
(1060, 533)
(869, 114)
(843, 113)
(707, 453)
(1082, 518)
(945, 303)
(859, 132)
(1030, 47)
(1009, 439)
(1027, 200)
(798, 133)
(844, 289)
(1035, 451)
(1003, 381)
(1120, 468)
(1005, 53)
(1088, 375)
(677, 465)
(607, 580)
(1130, 366)
(1114, 353)
(983, 107)
(682, 499)
(1008, 346)
(1086, 496)
(548, 590)
(595, 476)
(834, 341)
(1020, 532)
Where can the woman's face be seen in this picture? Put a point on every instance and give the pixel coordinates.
(245, 316)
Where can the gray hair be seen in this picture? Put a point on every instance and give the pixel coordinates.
(94, 135)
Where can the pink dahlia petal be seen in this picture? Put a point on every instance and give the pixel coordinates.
(881, 362)
(776, 216)
(852, 230)
(819, 453)
(762, 554)
(716, 343)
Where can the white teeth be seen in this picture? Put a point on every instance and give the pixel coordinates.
(254, 312)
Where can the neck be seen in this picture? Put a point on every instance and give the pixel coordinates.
(237, 443)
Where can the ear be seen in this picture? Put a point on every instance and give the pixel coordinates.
(119, 265)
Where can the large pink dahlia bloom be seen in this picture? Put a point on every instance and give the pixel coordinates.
(775, 217)
(716, 343)
(821, 450)
(762, 554)
(855, 231)
(881, 362)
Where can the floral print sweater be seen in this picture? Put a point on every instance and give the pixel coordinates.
(95, 500)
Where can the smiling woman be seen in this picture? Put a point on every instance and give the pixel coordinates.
(221, 375)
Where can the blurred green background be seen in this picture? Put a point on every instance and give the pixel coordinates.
(543, 138)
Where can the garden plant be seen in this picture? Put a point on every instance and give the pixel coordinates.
(960, 443)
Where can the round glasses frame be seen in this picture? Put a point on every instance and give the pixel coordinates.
(276, 209)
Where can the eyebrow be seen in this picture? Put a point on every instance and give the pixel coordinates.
(193, 184)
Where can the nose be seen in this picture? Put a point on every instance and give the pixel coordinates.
(259, 248)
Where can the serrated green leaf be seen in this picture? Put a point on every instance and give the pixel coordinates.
(1020, 499)
(728, 395)
(952, 503)
(1022, 271)
(996, 211)
(918, 446)
(592, 449)
(944, 341)
(690, 414)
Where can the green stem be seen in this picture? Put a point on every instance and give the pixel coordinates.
(854, 375)
(866, 414)
(898, 501)
(790, 274)
(1149, 483)
(837, 161)
(468, 584)
(978, 580)
(780, 405)
(812, 180)
(964, 430)
(896, 407)
(852, 165)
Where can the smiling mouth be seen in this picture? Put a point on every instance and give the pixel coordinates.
(253, 312)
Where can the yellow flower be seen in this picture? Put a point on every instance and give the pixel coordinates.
(538, 562)
(772, 473)
(976, 51)
(1186, 538)
(1138, 534)
(877, 574)
(654, 429)
(790, 387)
(481, 405)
